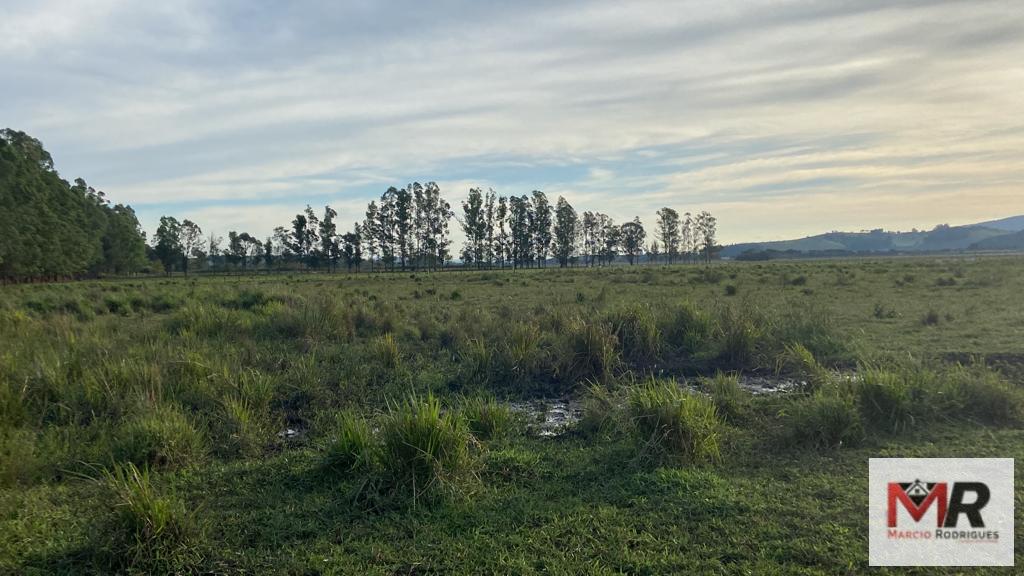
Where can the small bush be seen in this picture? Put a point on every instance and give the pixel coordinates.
(160, 437)
(730, 290)
(675, 425)
(426, 452)
(148, 532)
(487, 418)
(824, 420)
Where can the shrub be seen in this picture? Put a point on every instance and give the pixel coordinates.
(725, 391)
(675, 425)
(147, 532)
(730, 290)
(637, 332)
(931, 318)
(161, 437)
(824, 420)
(352, 447)
(426, 452)
(487, 418)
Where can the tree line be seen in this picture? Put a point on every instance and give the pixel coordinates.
(408, 229)
(54, 229)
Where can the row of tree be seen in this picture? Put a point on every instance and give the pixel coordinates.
(50, 228)
(54, 229)
(408, 228)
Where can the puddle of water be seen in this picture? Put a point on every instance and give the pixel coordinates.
(551, 417)
(289, 434)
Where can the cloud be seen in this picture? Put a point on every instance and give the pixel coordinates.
(785, 118)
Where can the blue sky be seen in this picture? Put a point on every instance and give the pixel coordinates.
(782, 118)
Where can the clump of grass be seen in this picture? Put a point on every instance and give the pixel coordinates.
(160, 437)
(637, 332)
(930, 318)
(824, 420)
(887, 399)
(725, 391)
(730, 290)
(600, 411)
(147, 532)
(244, 427)
(983, 395)
(589, 352)
(477, 362)
(687, 328)
(523, 354)
(384, 350)
(352, 447)
(426, 452)
(739, 329)
(797, 361)
(674, 425)
(487, 418)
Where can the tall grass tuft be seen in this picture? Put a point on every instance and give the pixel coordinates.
(487, 418)
(797, 361)
(352, 447)
(162, 436)
(589, 351)
(687, 328)
(675, 425)
(601, 411)
(637, 332)
(729, 398)
(426, 452)
(384, 350)
(824, 419)
(739, 328)
(888, 399)
(148, 532)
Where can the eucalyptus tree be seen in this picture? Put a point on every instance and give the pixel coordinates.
(191, 238)
(371, 232)
(566, 231)
(520, 232)
(706, 227)
(668, 232)
(474, 227)
(688, 236)
(632, 237)
(540, 224)
(591, 232)
(328, 232)
(167, 242)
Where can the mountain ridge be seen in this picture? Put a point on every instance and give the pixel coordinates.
(1001, 234)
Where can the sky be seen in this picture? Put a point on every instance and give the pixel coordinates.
(783, 119)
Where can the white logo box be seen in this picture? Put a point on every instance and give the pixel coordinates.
(924, 542)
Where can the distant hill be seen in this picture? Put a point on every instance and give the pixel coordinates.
(1013, 241)
(1004, 234)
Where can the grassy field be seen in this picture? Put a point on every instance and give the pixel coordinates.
(322, 424)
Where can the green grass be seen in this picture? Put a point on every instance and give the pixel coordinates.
(191, 382)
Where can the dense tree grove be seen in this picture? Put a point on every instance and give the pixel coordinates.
(52, 229)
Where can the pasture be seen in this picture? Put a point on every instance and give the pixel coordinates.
(361, 423)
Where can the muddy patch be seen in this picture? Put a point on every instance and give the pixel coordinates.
(548, 418)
